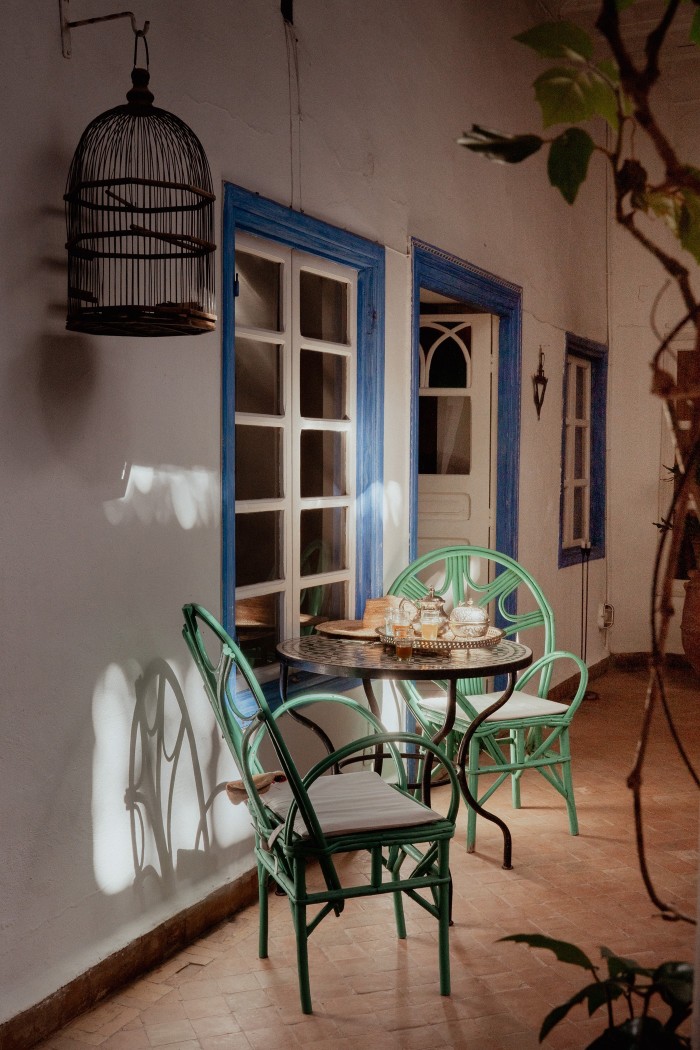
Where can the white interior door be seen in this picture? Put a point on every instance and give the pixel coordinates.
(456, 432)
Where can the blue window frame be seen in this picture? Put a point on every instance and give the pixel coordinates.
(247, 212)
(582, 502)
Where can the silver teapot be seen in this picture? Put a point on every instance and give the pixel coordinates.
(428, 611)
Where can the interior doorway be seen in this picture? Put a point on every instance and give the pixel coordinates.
(458, 353)
(465, 452)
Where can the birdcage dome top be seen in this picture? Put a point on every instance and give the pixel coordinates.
(139, 140)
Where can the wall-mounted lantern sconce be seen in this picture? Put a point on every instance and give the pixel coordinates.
(539, 384)
(139, 217)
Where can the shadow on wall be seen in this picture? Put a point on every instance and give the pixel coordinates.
(61, 391)
(162, 831)
(162, 744)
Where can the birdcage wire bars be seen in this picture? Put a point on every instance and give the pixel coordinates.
(139, 218)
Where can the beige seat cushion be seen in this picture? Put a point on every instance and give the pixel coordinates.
(520, 705)
(351, 802)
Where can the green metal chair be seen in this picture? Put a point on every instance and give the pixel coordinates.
(309, 819)
(530, 732)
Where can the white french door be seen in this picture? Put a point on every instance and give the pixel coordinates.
(456, 432)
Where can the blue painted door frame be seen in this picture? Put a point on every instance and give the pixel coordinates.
(439, 272)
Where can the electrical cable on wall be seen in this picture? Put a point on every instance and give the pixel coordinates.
(585, 558)
(287, 12)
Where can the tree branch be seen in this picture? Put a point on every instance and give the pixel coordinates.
(655, 42)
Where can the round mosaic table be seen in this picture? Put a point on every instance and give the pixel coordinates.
(371, 661)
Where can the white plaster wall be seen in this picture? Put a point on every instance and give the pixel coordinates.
(645, 307)
(111, 461)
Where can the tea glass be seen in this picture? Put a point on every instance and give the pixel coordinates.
(430, 624)
(403, 641)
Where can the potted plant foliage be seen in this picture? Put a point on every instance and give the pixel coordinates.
(626, 993)
(581, 86)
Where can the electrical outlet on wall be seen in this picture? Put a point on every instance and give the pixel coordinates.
(606, 616)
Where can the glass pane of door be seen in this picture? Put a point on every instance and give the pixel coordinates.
(258, 462)
(322, 382)
(322, 463)
(258, 547)
(257, 627)
(323, 308)
(258, 304)
(322, 602)
(445, 438)
(258, 377)
(323, 540)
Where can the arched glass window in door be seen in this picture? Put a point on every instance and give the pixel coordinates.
(444, 392)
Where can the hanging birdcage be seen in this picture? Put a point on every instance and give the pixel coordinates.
(140, 216)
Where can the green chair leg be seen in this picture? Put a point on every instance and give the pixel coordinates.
(399, 915)
(473, 785)
(568, 781)
(299, 916)
(444, 906)
(394, 860)
(517, 757)
(263, 908)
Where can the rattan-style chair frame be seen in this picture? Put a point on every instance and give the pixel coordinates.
(530, 732)
(287, 842)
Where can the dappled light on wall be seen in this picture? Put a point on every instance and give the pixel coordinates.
(166, 494)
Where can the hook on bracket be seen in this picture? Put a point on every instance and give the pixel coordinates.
(67, 25)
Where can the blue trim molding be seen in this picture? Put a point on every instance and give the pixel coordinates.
(443, 273)
(597, 355)
(250, 213)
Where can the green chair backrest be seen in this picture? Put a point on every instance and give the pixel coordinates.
(460, 572)
(242, 732)
(220, 687)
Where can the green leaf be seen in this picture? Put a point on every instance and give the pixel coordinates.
(674, 982)
(558, 40)
(601, 993)
(604, 100)
(622, 4)
(694, 173)
(563, 950)
(619, 966)
(595, 995)
(689, 223)
(665, 206)
(608, 67)
(567, 165)
(570, 96)
(695, 28)
(558, 1014)
(494, 145)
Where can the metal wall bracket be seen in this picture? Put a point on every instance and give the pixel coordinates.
(67, 25)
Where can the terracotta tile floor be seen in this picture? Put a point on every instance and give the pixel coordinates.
(368, 988)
